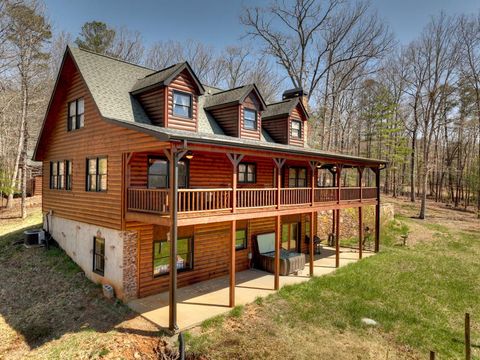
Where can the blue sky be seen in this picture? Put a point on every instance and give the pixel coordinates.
(216, 22)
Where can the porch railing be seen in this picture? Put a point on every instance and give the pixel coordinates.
(197, 200)
(204, 199)
(147, 200)
(254, 198)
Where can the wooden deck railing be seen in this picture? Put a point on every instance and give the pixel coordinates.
(326, 194)
(197, 200)
(253, 198)
(350, 193)
(204, 199)
(369, 192)
(295, 196)
(147, 200)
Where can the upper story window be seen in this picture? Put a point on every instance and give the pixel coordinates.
(297, 177)
(250, 119)
(97, 174)
(182, 104)
(247, 173)
(61, 175)
(158, 173)
(75, 119)
(296, 129)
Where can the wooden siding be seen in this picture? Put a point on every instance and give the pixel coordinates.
(227, 118)
(251, 102)
(211, 250)
(183, 82)
(298, 115)
(153, 102)
(277, 128)
(97, 138)
(206, 170)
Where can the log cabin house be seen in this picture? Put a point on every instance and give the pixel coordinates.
(150, 171)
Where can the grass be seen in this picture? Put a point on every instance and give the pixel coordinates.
(417, 295)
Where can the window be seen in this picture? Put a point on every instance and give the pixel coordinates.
(60, 173)
(182, 104)
(250, 119)
(247, 173)
(296, 129)
(241, 239)
(161, 255)
(297, 177)
(158, 173)
(75, 114)
(290, 236)
(97, 174)
(68, 175)
(99, 255)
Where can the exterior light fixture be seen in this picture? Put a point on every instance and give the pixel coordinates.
(189, 155)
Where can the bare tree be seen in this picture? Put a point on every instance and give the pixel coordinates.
(127, 45)
(27, 32)
(308, 37)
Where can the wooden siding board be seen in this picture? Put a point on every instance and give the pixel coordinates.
(183, 82)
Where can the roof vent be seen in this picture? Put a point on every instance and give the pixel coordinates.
(293, 93)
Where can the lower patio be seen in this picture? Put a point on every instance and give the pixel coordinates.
(203, 300)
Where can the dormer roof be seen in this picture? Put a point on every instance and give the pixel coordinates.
(283, 108)
(164, 77)
(233, 96)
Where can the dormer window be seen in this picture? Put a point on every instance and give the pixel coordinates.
(296, 127)
(250, 119)
(182, 104)
(75, 114)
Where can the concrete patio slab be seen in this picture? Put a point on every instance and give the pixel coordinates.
(201, 301)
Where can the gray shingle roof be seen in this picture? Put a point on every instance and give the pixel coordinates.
(231, 96)
(109, 81)
(280, 108)
(157, 77)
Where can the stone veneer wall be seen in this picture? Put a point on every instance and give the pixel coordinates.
(130, 280)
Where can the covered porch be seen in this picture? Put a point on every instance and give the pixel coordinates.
(201, 301)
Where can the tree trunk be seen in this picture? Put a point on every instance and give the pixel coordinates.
(412, 167)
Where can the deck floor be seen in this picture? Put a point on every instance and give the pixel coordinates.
(206, 299)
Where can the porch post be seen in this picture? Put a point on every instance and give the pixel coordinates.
(232, 263)
(313, 168)
(173, 156)
(279, 164)
(337, 217)
(360, 214)
(278, 235)
(235, 159)
(311, 244)
(377, 211)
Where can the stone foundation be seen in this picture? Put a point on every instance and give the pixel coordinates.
(130, 281)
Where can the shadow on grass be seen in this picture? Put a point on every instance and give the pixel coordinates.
(45, 295)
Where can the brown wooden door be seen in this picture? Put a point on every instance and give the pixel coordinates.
(291, 236)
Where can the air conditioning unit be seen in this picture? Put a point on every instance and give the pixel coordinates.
(34, 237)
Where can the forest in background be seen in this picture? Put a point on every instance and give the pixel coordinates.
(416, 105)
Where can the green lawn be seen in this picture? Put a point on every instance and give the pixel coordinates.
(418, 295)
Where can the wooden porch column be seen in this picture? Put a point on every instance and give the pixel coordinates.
(377, 211)
(232, 263)
(337, 217)
(311, 244)
(360, 214)
(173, 156)
(313, 167)
(235, 159)
(278, 235)
(279, 165)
